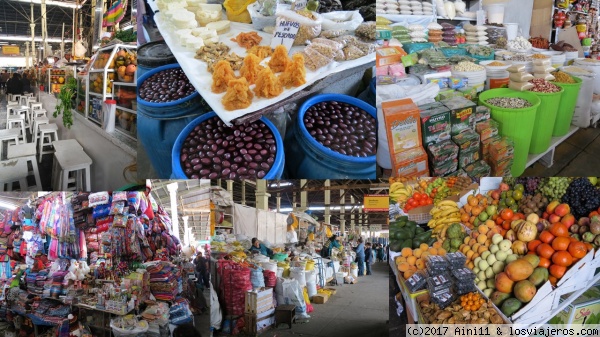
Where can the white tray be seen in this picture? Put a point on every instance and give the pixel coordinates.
(201, 79)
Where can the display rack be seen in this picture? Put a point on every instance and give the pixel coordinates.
(547, 158)
(54, 82)
(81, 100)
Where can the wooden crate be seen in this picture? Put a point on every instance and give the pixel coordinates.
(258, 323)
(259, 302)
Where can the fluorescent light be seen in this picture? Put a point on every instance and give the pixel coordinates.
(286, 183)
(51, 3)
(28, 38)
(7, 206)
(128, 27)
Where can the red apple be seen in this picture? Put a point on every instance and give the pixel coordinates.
(496, 194)
(562, 210)
(504, 187)
(551, 206)
(568, 220)
(554, 218)
(545, 215)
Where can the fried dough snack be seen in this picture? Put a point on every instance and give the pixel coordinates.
(261, 51)
(279, 59)
(251, 68)
(247, 40)
(238, 95)
(221, 76)
(294, 74)
(267, 85)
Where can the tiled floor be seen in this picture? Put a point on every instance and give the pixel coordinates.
(45, 167)
(578, 156)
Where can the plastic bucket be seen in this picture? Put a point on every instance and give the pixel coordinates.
(593, 66)
(153, 55)
(544, 121)
(309, 159)
(159, 124)
(558, 58)
(495, 13)
(274, 173)
(566, 108)
(496, 79)
(512, 29)
(517, 124)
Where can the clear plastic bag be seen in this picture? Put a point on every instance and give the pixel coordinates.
(314, 60)
(366, 30)
(327, 50)
(342, 20)
(310, 24)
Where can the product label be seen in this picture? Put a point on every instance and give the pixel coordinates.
(285, 33)
(405, 133)
(435, 126)
(496, 83)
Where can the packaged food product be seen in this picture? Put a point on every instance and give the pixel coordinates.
(545, 76)
(440, 281)
(466, 157)
(313, 59)
(467, 140)
(457, 173)
(444, 168)
(402, 125)
(327, 50)
(411, 163)
(457, 82)
(524, 86)
(435, 123)
(543, 69)
(516, 68)
(462, 288)
(478, 169)
(487, 129)
(397, 70)
(443, 298)
(310, 24)
(460, 111)
(520, 77)
(417, 281)
(442, 152)
(463, 274)
(456, 260)
(545, 62)
(482, 113)
(485, 145)
(502, 149)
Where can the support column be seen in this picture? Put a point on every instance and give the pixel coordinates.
(352, 214)
(44, 29)
(262, 197)
(303, 196)
(342, 211)
(294, 206)
(278, 196)
(243, 192)
(186, 235)
(327, 215)
(174, 217)
(32, 27)
(361, 222)
(230, 188)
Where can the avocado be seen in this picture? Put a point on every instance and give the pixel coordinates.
(510, 306)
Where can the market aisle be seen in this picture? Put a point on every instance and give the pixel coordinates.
(355, 310)
(202, 321)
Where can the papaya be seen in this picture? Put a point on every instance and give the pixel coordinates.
(510, 306)
(519, 270)
(499, 297)
(524, 291)
(539, 276)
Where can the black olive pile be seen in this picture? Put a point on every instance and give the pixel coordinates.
(343, 128)
(166, 86)
(214, 150)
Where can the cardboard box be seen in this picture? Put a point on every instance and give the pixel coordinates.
(467, 140)
(402, 124)
(461, 110)
(411, 163)
(435, 123)
(584, 310)
(447, 168)
(466, 157)
(478, 169)
(441, 153)
(320, 299)
(388, 55)
(541, 18)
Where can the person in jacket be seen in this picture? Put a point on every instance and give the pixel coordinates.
(26, 84)
(14, 85)
(202, 270)
(368, 257)
(360, 257)
(4, 77)
(331, 243)
(257, 246)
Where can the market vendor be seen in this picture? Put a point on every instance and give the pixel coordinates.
(331, 243)
(257, 246)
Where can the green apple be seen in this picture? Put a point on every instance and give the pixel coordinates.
(491, 210)
(593, 180)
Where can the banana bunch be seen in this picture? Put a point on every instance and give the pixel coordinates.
(400, 192)
(444, 214)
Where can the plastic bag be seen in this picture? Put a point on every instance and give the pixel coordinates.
(310, 27)
(327, 51)
(314, 60)
(215, 310)
(293, 295)
(339, 21)
(521, 77)
(520, 86)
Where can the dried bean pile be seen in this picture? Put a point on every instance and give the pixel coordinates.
(542, 86)
(509, 102)
(166, 86)
(343, 128)
(214, 150)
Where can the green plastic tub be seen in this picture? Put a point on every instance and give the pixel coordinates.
(516, 124)
(566, 107)
(544, 121)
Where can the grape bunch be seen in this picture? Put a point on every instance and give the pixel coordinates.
(582, 196)
(554, 188)
(530, 183)
(510, 181)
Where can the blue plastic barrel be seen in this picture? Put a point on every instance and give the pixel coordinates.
(159, 124)
(152, 55)
(274, 173)
(308, 159)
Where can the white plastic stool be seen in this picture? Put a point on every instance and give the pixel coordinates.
(27, 151)
(16, 98)
(77, 162)
(13, 170)
(35, 106)
(10, 98)
(7, 136)
(36, 126)
(19, 122)
(23, 100)
(67, 145)
(50, 132)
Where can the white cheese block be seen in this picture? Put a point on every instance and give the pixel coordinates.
(181, 34)
(221, 27)
(211, 7)
(204, 32)
(194, 43)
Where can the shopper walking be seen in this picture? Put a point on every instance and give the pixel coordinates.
(202, 270)
(257, 246)
(331, 243)
(14, 85)
(368, 257)
(360, 257)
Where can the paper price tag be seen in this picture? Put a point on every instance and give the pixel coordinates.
(285, 33)
(299, 5)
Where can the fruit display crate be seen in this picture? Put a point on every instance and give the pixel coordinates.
(409, 298)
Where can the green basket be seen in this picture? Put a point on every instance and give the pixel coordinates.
(515, 124)
(566, 108)
(544, 121)
(480, 58)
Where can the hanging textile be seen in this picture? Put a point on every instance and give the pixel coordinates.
(115, 13)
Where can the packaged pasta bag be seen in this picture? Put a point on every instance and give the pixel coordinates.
(310, 24)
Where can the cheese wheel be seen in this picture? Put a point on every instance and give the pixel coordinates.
(221, 27)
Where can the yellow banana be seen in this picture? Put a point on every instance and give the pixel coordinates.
(396, 186)
(448, 213)
(447, 203)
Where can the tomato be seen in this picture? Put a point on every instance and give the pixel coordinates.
(429, 201)
(417, 196)
(546, 237)
(413, 202)
(544, 250)
(532, 245)
(561, 243)
(577, 249)
(544, 262)
(422, 202)
(562, 258)
(506, 214)
(559, 229)
(557, 271)
(434, 190)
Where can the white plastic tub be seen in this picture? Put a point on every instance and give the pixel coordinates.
(495, 13)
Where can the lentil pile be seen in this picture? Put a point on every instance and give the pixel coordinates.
(509, 102)
(542, 86)
(562, 77)
(496, 64)
(166, 86)
(213, 150)
(343, 128)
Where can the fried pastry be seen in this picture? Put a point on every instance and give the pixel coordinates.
(294, 74)
(267, 84)
(238, 95)
(221, 76)
(279, 59)
(250, 68)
